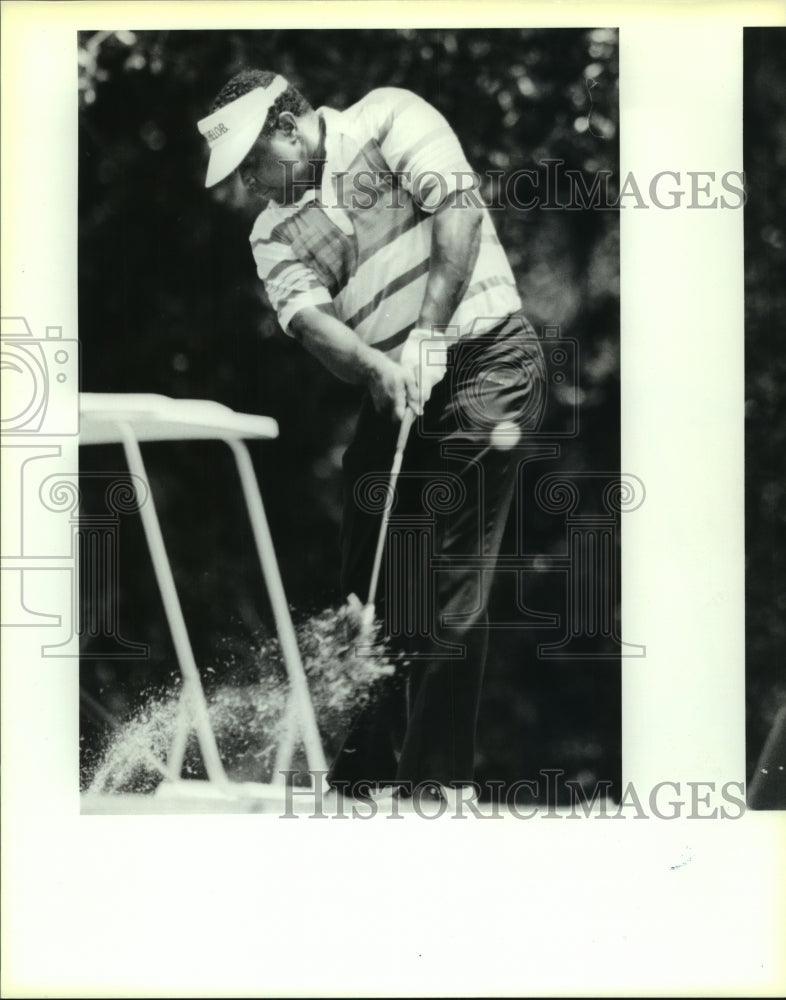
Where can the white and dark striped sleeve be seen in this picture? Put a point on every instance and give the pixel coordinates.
(289, 284)
(418, 143)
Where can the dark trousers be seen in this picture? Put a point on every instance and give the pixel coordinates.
(452, 502)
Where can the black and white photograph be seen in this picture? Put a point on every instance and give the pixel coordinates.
(764, 138)
(414, 279)
(392, 468)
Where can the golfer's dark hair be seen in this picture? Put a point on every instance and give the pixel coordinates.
(249, 79)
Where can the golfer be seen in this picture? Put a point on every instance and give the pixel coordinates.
(379, 258)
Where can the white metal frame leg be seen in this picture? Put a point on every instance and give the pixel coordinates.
(287, 741)
(300, 704)
(177, 751)
(193, 704)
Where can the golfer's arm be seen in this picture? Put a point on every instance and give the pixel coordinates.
(333, 343)
(455, 242)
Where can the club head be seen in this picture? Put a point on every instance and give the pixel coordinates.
(361, 615)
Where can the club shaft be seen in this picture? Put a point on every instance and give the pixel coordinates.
(406, 425)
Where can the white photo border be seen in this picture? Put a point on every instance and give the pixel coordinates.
(248, 905)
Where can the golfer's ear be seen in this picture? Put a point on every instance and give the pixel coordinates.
(287, 123)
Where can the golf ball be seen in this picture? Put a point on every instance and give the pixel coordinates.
(505, 435)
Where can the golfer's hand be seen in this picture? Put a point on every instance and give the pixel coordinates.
(392, 386)
(424, 356)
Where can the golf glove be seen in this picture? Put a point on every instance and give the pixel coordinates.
(425, 354)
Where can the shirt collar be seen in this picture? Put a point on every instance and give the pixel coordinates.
(340, 147)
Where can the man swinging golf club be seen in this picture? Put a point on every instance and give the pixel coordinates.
(379, 258)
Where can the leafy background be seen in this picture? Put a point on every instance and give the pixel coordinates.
(169, 302)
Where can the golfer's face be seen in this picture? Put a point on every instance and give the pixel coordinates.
(276, 168)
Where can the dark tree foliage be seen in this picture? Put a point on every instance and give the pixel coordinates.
(765, 379)
(169, 302)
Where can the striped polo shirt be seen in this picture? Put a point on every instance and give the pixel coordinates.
(363, 240)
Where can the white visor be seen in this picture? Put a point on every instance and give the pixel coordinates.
(232, 130)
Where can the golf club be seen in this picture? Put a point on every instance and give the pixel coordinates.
(365, 613)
